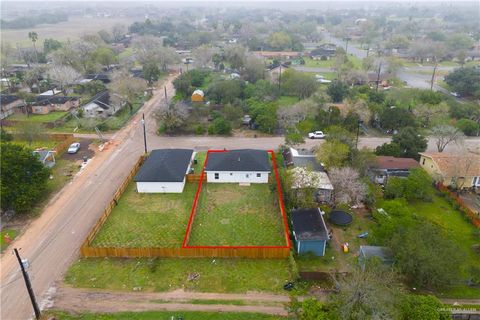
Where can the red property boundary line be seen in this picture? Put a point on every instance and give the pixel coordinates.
(195, 203)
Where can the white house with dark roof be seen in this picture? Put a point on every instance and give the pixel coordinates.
(238, 166)
(164, 171)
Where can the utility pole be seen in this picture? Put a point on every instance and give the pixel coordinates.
(29, 286)
(346, 44)
(378, 75)
(280, 76)
(144, 133)
(433, 76)
(165, 87)
(358, 132)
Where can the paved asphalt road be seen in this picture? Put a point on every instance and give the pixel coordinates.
(51, 242)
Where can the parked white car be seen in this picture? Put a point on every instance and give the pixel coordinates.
(316, 135)
(74, 147)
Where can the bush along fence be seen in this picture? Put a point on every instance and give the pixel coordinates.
(88, 251)
(473, 217)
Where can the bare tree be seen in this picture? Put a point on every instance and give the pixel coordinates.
(32, 76)
(445, 134)
(126, 89)
(172, 117)
(347, 185)
(428, 113)
(63, 76)
(203, 55)
(289, 116)
(118, 31)
(150, 49)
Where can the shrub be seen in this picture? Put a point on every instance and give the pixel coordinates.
(468, 127)
(220, 126)
(199, 130)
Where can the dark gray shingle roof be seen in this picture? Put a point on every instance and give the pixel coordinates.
(238, 160)
(308, 224)
(165, 165)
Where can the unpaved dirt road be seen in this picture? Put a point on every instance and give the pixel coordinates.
(82, 300)
(52, 241)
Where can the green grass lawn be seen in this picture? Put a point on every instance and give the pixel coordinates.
(52, 116)
(163, 315)
(310, 63)
(458, 230)
(229, 214)
(47, 144)
(215, 274)
(147, 219)
(200, 157)
(284, 101)
(11, 233)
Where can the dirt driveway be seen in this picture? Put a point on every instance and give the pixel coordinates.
(87, 149)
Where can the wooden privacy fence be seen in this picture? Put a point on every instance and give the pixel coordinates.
(254, 253)
(88, 251)
(194, 177)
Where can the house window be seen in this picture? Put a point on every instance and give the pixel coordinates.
(247, 176)
(423, 161)
(216, 175)
(231, 173)
(259, 175)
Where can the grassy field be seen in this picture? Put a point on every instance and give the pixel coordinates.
(229, 214)
(147, 219)
(47, 144)
(163, 315)
(214, 275)
(287, 101)
(72, 29)
(50, 117)
(458, 230)
(310, 63)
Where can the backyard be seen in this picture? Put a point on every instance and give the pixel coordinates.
(233, 215)
(212, 274)
(147, 219)
(50, 117)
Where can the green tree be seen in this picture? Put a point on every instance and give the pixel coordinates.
(420, 307)
(279, 41)
(411, 142)
(333, 153)
(425, 254)
(127, 89)
(33, 36)
(337, 90)
(105, 56)
(468, 127)
(465, 81)
(220, 126)
(293, 137)
(417, 186)
(312, 309)
(299, 84)
(24, 178)
(389, 149)
(225, 91)
(50, 45)
(151, 72)
(396, 118)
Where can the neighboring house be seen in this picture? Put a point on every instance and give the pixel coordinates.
(387, 167)
(164, 171)
(99, 106)
(9, 104)
(318, 180)
(384, 254)
(324, 52)
(98, 76)
(310, 231)
(278, 54)
(198, 96)
(52, 92)
(460, 171)
(238, 166)
(47, 104)
(46, 157)
(308, 173)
